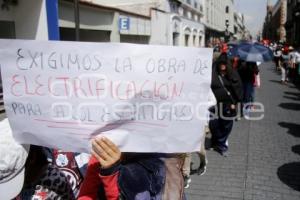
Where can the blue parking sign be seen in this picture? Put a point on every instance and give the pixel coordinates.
(124, 23)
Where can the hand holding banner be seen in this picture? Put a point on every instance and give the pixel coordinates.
(145, 98)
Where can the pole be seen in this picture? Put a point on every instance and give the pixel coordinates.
(76, 19)
(52, 19)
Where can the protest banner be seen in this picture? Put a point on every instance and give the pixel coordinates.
(145, 98)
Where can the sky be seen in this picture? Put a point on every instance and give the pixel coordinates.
(254, 12)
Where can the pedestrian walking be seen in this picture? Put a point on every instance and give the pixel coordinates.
(297, 55)
(186, 169)
(248, 72)
(285, 65)
(227, 88)
(292, 63)
(277, 58)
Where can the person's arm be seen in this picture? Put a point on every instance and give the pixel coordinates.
(109, 179)
(103, 170)
(96, 178)
(92, 182)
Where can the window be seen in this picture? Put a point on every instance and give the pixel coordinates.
(186, 40)
(200, 41)
(174, 7)
(188, 1)
(201, 8)
(227, 9)
(7, 30)
(195, 17)
(227, 23)
(195, 5)
(175, 39)
(185, 13)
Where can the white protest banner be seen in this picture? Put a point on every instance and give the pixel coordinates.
(144, 98)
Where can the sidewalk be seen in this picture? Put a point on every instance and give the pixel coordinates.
(264, 156)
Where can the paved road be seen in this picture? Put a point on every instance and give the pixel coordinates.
(264, 156)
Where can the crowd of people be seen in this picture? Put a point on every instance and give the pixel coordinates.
(287, 60)
(33, 172)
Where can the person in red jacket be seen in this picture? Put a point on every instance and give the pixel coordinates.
(101, 180)
(111, 176)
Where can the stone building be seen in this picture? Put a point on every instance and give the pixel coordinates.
(275, 21)
(239, 28)
(219, 20)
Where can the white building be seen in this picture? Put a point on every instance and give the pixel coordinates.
(219, 17)
(239, 26)
(165, 22)
(103, 23)
(173, 22)
(25, 20)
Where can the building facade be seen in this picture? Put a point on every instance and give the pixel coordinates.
(293, 23)
(275, 21)
(17, 22)
(239, 28)
(186, 23)
(173, 22)
(219, 20)
(100, 23)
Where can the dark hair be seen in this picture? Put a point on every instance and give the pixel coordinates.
(36, 156)
(223, 59)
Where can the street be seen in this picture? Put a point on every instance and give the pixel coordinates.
(107, 99)
(264, 155)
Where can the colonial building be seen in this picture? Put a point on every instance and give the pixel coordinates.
(239, 27)
(219, 19)
(275, 21)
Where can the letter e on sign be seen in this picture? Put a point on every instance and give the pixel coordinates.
(124, 23)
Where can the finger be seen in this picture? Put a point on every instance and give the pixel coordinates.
(111, 144)
(103, 151)
(97, 151)
(107, 149)
(100, 151)
(96, 147)
(96, 155)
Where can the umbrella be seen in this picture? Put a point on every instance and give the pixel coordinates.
(252, 52)
(232, 52)
(233, 44)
